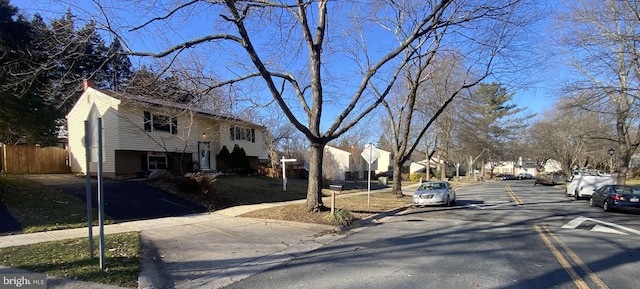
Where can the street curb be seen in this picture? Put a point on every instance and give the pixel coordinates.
(371, 219)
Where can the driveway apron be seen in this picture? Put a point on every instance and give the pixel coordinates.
(126, 200)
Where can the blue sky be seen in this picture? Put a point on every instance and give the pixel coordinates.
(536, 95)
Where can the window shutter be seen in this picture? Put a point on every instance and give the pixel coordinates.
(233, 135)
(253, 135)
(147, 121)
(174, 125)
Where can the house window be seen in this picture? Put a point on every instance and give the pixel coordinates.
(242, 133)
(156, 161)
(159, 122)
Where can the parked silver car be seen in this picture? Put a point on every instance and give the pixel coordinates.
(434, 193)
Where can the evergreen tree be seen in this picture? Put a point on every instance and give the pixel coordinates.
(27, 117)
(148, 83)
(76, 55)
(492, 123)
(14, 41)
(118, 69)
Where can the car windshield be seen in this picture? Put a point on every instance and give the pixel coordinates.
(431, 186)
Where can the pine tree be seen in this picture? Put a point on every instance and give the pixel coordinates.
(118, 68)
(492, 123)
(27, 117)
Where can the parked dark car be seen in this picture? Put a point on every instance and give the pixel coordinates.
(508, 177)
(525, 176)
(611, 197)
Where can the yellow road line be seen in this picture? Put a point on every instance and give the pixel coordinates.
(513, 195)
(561, 259)
(594, 278)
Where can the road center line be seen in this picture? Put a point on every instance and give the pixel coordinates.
(594, 278)
(513, 195)
(561, 259)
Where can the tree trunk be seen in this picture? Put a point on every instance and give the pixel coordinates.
(396, 189)
(622, 166)
(314, 189)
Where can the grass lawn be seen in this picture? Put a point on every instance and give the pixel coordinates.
(70, 259)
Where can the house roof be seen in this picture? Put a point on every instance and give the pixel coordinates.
(128, 98)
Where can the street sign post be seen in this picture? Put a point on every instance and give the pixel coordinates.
(93, 146)
(370, 154)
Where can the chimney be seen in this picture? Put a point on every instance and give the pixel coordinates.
(88, 82)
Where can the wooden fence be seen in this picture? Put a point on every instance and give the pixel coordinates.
(27, 159)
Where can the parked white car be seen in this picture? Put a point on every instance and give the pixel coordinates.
(584, 184)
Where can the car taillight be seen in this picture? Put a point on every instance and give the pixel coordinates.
(618, 197)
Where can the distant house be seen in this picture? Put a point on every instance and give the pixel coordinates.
(384, 163)
(141, 134)
(514, 168)
(339, 162)
(350, 166)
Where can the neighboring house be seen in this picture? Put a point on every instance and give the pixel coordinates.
(346, 167)
(418, 167)
(515, 168)
(339, 163)
(384, 163)
(141, 134)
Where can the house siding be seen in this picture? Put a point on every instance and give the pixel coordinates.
(383, 163)
(342, 158)
(106, 106)
(134, 137)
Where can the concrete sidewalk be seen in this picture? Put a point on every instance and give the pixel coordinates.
(207, 250)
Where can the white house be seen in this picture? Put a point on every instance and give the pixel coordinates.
(339, 161)
(384, 163)
(515, 168)
(349, 164)
(141, 134)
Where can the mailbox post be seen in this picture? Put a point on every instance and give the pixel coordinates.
(335, 189)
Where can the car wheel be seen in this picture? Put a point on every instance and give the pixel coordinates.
(605, 206)
(591, 203)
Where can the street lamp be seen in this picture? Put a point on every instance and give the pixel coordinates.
(611, 151)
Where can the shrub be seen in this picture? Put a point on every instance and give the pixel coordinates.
(415, 177)
(342, 217)
(196, 183)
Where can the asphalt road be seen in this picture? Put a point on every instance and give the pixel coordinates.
(499, 235)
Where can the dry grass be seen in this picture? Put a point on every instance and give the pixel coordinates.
(359, 205)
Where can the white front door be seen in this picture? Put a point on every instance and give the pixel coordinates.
(204, 155)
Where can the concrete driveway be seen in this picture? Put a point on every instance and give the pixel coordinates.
(125, 200)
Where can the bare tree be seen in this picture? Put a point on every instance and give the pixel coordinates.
(278, 132)
(602, 37)
(566, 134)
(310, 58)
(435, 74)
